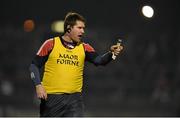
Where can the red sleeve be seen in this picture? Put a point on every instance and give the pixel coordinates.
(46, 47)
(88, 48)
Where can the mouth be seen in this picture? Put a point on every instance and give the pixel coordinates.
(80, 36)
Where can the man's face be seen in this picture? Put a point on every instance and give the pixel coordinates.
(77, 31)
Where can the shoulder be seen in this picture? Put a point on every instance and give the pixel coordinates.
(49, 42)
(46, 47)
(88, 47)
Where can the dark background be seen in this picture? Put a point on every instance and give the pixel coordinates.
(143, 81)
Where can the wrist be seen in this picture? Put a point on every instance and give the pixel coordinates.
(110, 52)
(38, 85)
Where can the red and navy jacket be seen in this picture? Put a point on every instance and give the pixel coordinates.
(44, 51)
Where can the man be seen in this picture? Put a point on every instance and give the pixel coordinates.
(63, 60)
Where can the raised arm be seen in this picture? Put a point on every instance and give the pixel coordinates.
(100, 59)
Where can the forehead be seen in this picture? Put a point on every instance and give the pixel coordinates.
(80, 23)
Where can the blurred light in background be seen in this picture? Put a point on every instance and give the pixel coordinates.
(7, 88)
(58, 26)
(29, 25)
(148, 11)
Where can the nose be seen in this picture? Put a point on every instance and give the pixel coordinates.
(82, 30)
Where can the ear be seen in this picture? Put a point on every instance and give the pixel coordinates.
(68, 26)
(68, 29)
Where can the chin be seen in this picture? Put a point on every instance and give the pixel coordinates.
(77, 40)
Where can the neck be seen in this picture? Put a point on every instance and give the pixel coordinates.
(67, 38)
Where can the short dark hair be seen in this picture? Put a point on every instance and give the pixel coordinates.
(71, 18)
